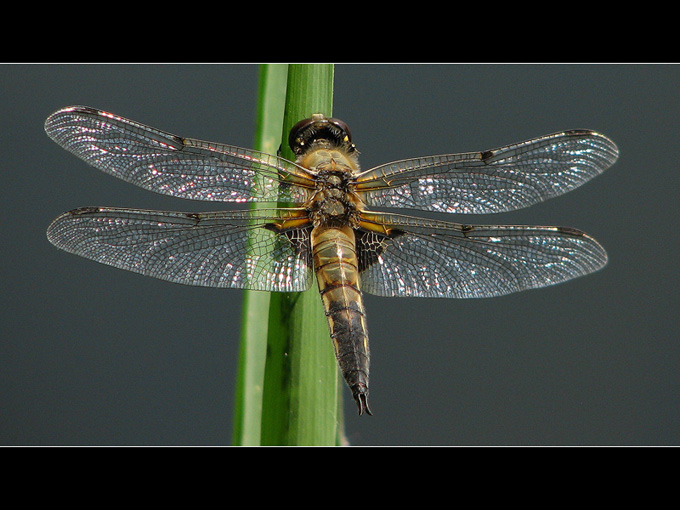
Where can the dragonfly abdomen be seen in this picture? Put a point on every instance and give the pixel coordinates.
(337, 274)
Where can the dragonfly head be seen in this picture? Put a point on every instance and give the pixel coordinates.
(320, 130)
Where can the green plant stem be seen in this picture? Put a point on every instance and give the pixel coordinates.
(288, 383)
(300, 398)
(250, 381)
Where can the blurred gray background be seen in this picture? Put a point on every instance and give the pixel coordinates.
(92, 355)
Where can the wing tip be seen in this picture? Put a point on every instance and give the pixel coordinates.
(58, 222)
(612, 149)
(49, 122)
(597, 252)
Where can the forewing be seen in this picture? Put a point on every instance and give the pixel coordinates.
(181, 167)
(413, 257)
(503, 179)
(234, 249)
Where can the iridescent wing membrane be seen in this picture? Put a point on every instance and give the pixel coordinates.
(499, 180)
(180, 167)
(423, 258)
(215, 249)
(398, 255)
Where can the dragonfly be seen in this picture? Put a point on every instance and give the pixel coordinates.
(329, 233)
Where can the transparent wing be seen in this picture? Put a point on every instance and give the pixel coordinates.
(504, 179)
(181, 167)
(413, 257)
(234, 249)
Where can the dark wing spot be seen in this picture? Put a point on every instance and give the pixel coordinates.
(299, 238)
(370, 245)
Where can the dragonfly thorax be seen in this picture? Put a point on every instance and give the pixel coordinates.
(325, 161)
(333, 207)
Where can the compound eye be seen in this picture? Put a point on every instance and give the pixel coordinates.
(342, 127)
(293, 139)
